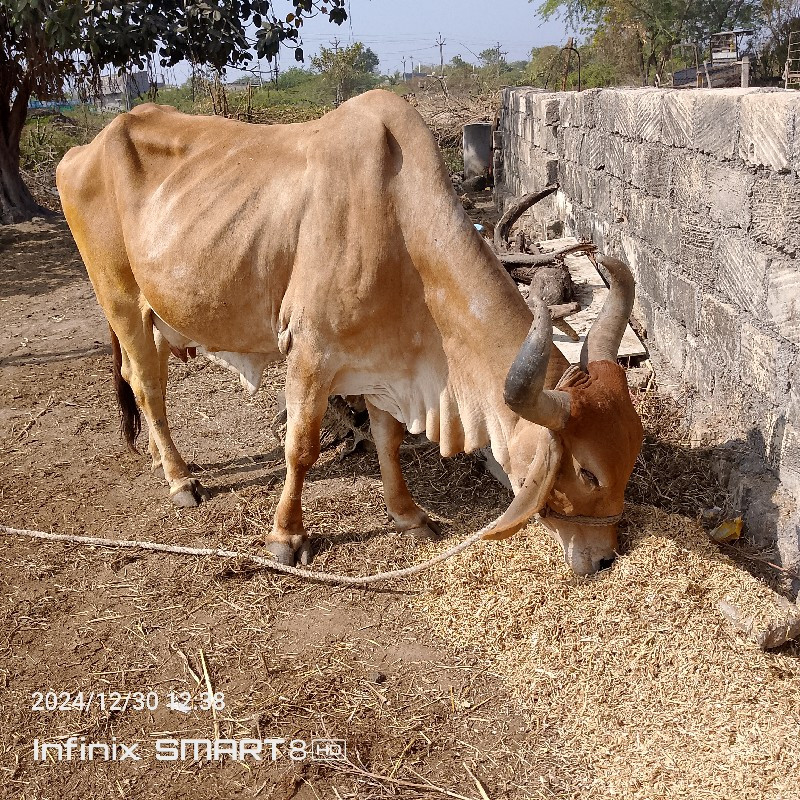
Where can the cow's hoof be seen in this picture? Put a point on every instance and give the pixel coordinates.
(428, 532)
(189, 494)
(282, 553)
(305, 553)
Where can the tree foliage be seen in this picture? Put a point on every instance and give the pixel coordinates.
(45, 43)
(346, 70)
(647, 29)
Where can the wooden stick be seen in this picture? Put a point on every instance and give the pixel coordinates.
(349, 766)
(515, 212)
(540, 259)
(563, 310)
(210, 690)
(478, 784)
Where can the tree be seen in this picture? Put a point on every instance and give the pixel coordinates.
(492, 57)
(652, 27)
(367, 62)
(780, 18)
(346, 70)
(46, 43)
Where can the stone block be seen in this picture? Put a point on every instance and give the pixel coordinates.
(699, 371)
(720, 329)
(599, 193)
(593, 149)
(650, 114)
(767, 129)
(651, 169)
(789, 469)
(570, 142)
(775, 200)
(716, 122)
(783, 300)
(617, 199)
(567, 110)
(682, 297)
(551, 111)
(654, 221)
(669, 338)
(741, 272)
(678, 110)
(587, 108)
(647, 269)
(764, 363)
(688, 182)
(572, 177)
(697, 249)
(728, 195)
(617, 112)
(615, 155)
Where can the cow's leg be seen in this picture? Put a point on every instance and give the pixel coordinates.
(405, 513)
(142, 369)
(162, 348)
(306, 401)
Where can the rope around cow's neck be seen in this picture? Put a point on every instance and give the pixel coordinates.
(322, 577)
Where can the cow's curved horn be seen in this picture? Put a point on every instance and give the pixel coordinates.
(602, 341)
(524, 390)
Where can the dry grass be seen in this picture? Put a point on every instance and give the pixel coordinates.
(447, 115)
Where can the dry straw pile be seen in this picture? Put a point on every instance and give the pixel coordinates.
(634, 683)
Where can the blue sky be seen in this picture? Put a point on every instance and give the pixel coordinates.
(397, 28)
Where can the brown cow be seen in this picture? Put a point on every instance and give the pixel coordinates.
(341, 246)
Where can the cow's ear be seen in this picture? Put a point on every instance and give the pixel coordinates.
(534, 491)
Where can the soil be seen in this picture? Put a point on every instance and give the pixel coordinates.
(497, 675)
(294, 660)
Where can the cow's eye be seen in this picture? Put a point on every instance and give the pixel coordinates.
(590, 478)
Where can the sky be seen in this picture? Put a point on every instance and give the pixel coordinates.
(398, 28)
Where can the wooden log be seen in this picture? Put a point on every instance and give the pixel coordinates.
(510, 260)
(515, 212)
(563, 310)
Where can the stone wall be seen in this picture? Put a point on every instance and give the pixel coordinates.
(699, 192)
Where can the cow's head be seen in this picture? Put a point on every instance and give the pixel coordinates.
(575, 446)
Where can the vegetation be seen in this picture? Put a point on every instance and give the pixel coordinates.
(631, 41)
(45, 43)
(346, 71)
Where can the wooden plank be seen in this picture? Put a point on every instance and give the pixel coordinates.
(591, 292)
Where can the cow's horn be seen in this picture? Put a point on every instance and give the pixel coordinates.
(602, 341)
(524, 390)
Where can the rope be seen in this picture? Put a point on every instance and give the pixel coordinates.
(592, 521)
(322, 577)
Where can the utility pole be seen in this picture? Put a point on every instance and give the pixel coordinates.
(338, 74)
(500, 55)
(441, 42)
(404, 67)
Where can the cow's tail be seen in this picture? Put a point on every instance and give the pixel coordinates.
(129, 415)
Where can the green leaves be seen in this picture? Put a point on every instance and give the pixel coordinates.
(124, 33)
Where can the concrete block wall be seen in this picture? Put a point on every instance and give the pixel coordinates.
(699, 192)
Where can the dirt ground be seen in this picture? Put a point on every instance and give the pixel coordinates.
(416, 678)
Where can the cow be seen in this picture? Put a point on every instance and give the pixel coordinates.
(340, 246)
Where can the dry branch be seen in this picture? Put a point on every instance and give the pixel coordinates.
(515, 212)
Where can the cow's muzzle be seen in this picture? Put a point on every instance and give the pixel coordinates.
(587, 547)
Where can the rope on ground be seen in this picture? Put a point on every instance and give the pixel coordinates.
(268, 563)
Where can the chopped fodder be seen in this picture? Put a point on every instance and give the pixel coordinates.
(633, 683)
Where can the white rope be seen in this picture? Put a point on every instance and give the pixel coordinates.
(322, 577)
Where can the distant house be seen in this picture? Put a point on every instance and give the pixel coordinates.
(118, 92)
